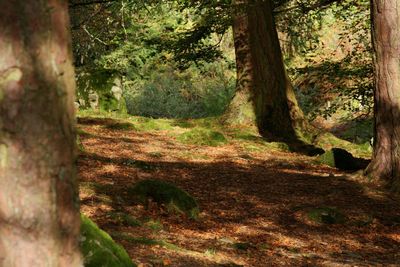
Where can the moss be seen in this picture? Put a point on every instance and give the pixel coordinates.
(202, 136)
(182, 123)
(163, 193)
(328, 141)
(99, 249)
(278, 145)
(149, 124)
(326, 215)
(99, 81)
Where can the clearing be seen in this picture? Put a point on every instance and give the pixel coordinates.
(261, 205)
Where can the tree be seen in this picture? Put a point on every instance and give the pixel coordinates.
(39, 208)
(264, 93)
(385, 164)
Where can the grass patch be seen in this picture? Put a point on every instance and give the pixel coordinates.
(183, 123)
(149, 124)
(202, 137)
(99, 249)
(101, 114)
(166, 194)
(194, 156)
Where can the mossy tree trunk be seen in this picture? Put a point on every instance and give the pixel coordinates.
(39, 210)
(385, 164)
(264, 95)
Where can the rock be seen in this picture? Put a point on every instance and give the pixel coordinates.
(93, 100)
(100, 89)
(163, 193)
(343, 160)
(99, 249)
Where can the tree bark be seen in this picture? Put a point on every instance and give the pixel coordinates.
(264, 94)
(385, 164)
(39, 207)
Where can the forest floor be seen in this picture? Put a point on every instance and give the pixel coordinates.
(255, 202)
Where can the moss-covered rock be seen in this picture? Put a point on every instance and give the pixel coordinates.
(163, 193)
(99, 249)
(343, 160)
(202, 136)
(100, 89)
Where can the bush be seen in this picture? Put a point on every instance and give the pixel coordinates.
(171, 93)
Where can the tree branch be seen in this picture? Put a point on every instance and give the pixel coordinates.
(92, 2)
(305, 9)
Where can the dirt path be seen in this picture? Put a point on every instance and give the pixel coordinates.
(254, 204)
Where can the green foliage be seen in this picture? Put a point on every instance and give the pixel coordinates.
(100, 82)
(333, 76)
(99, 249)
(326, 215)
(202, 136)
(154, 84)
(163, 193)
(149, 124)
(171, 93)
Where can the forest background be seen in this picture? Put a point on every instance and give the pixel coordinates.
(176, 60)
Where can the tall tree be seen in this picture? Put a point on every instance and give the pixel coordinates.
(39, 209)
(264, 93)
(385, 164)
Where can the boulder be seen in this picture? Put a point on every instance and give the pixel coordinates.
(343, 160)
(99, 249)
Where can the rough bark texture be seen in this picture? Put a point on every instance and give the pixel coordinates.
(264, 94)
(385, 164)
(39, 208)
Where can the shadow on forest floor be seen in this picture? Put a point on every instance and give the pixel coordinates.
(255, 204)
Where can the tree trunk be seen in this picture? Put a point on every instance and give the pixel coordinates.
(39, 208)
(385, 164)
(264, 95)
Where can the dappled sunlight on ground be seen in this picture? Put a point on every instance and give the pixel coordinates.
(254, 203)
